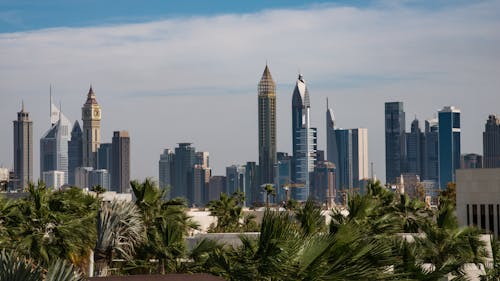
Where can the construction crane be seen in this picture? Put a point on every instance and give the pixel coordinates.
(289, 184)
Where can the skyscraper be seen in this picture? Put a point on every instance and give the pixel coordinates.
(414, 142)
(395, 128)
(491, 142)
(166, 170)
(23, 149)
(267, 126)
(235, 179)
(353, 158)
(120, 173)
(449, 144)
(105, 156)
(54, 144)
(430, 153)
(75, 152)
(332, 151)
(304, 140)
(183, 171)
(201, 178)
(91, 117)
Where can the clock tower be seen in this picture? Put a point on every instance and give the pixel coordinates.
(91, 117)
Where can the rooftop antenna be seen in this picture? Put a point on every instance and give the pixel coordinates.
(50, 101)
(326, 103)
(22, 105)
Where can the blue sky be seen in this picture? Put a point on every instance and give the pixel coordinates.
(23, 15)
(187, 71)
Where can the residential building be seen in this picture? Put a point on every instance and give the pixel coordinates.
(120, 167)
(23, 149)
(267, 126)
(395, 128)
(91, 117)
(449, 144)
(491, 142)
(202, 158)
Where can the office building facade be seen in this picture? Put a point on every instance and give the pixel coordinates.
(166, 170)
(120, 168)
(183, 174)
(75, 152)
(395, 128)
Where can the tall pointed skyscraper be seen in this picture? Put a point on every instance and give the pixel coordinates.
(304, 140)
(267, 126)
(91, 117)
(23, 149)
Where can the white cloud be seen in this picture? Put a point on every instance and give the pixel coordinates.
(194, 79)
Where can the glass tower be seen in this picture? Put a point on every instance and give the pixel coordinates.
(449, 144)
(394, 140)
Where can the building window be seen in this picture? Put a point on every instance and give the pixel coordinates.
(490, 219)
(483, 216)
(474, 214)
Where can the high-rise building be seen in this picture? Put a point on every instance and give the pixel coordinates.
(267, 126)
(491, 142)
(283, 181)
(183, 171)
(430, 151)
(235, 179)
(99, 177)
(166, 170)
(75, 152)
(120, 173)
(54, 145)
(304, 140)
(202, 158)
(449, 144)
(471, 161)
(332, 151)
(82, 177)
(323, 183)
(201, 179)
(395, 128)
(353, 158)
(414, 142)
(252, 183)
(23, 149)
(216, 185)
(105, 156)
(91, 117)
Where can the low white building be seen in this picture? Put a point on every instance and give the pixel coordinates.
(478, 198)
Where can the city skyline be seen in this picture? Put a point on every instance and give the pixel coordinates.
(137, 83)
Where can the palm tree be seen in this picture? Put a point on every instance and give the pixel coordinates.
(269, 189)
(228, 212)
(14, 267)
(310, 218)
(120, 230)
(493, 269)
(60, 270)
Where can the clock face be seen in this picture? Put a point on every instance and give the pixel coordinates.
(96, 113)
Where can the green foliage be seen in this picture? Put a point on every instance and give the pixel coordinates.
(229, 213)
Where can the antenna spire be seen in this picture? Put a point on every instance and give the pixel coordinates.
(326, 103)
(22, 105)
